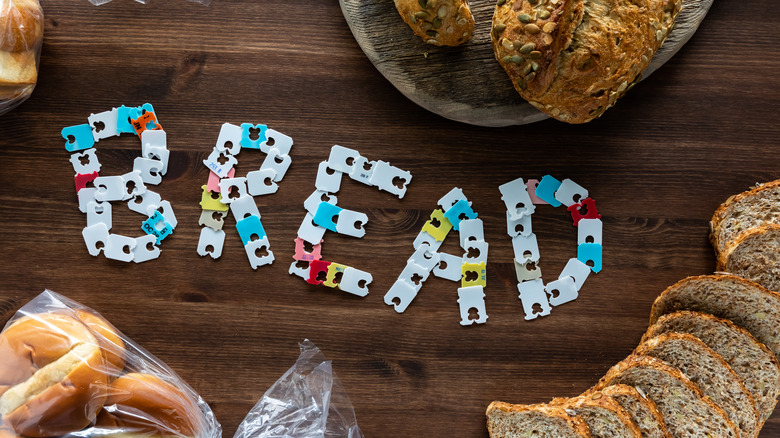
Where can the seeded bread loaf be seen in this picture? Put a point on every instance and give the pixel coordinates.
(642, 410)
(749, 209)
(687, 413)
(755, 365)
(573, 58)
(438, 22)
(603, 415)
(755, 255)
(710, 373)
(505, 420)
(745, 303)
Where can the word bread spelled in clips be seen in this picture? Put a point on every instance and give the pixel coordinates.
(95, 192)
(323, 215)
(224, 191)
(521, 199)
(470, 268)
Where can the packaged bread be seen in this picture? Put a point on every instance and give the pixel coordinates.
(21, 37)
(66, 371)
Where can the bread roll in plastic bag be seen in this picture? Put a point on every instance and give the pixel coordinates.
(67, 372)
(21, 37)
(308, 401)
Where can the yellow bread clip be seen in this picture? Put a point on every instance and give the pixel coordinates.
(333, 269)
(209, 203)
(468, 279)
(439, 232)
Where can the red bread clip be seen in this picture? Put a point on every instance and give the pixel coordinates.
(589, 205)
(301, 254)
(82, 179)
(140, 123)
(315, 267)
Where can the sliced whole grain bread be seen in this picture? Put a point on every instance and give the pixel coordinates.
(710, 373)
(755, 255)
(603, 415)
(741, 212)
(755, 365)
(745, 303)
(642, 410)
(506, 420)
(686, 411)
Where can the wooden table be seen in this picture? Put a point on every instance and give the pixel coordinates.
(702, 128)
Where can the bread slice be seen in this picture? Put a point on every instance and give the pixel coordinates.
(745, 303)
(18, 69)
(687, 413)
(642, 410)
(741, 212)
(755, 365)
(710, 373)
(755, 255)
(505, 420)
(603, 415)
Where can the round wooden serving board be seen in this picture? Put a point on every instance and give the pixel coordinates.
(466, 83)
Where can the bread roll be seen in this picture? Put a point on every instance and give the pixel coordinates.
(52, 376)
(573, 58)
(21, 24)
(143, 403)
(108, 340)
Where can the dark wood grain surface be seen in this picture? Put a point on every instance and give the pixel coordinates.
(703, 127)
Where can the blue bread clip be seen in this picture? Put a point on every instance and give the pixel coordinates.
(325, 214)
(455, 212)
(246, 142)
(248, 227)
(546, 190)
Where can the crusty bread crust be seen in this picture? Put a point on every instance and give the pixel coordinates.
(652, 427)
(601, 406)
(573, 59)
(737, 346)
(755, 255)
(21, 22)
(718, 422)
(711, 373)
(498, 411)
(726, 216)
(438, 22)
(745, 303)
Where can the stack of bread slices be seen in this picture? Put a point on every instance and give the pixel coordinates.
(707, 365)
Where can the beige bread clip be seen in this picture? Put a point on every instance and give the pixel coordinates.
(573, 59)
(438, 22)
(53, 376)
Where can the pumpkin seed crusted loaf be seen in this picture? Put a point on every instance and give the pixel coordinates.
(687, 413)
(438, 22)
(749, 209)
(642, 410)
(505, 420)
(745, 303)
(755, 365)
(603, 415)
(573, 59)
(710, 373)
(755, 255)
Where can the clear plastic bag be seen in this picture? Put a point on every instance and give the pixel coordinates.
(21, 38)
(67, 372)
(308, 401)
(102, 2)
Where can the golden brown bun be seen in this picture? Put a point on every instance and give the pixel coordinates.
(108, 339)
(21, 24)
(18, 69)
(52, 379)
(143, 403)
